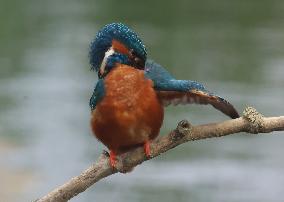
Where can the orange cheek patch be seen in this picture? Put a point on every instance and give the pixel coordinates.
(119, 47)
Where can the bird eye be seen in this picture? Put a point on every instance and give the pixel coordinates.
(137, 62)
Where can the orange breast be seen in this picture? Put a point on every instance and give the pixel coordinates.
(130, 112)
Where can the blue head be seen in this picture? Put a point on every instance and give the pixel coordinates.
(116, 43)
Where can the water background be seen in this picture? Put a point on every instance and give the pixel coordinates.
(236, 48)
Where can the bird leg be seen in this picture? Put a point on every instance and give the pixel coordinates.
(112, 159)
(147, 149)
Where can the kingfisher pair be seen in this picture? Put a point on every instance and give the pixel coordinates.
(129, 96)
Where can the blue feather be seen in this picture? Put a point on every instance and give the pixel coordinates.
(164, 81)
(98, 94)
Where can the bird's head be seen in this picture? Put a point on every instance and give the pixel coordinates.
(116, 43)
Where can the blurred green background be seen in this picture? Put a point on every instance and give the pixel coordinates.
(234, 47)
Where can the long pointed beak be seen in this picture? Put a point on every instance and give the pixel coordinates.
(103, 65)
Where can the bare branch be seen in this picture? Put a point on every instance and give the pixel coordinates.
(251, 122)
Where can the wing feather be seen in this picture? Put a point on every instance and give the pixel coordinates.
(197, 97)
(173, 91)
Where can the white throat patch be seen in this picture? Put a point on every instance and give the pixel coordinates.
(107, 54)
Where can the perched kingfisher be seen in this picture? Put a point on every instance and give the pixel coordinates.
(129, 96)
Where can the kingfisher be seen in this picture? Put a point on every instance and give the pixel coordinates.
(127, 104)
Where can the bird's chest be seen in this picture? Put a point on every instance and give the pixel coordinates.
(126, 111)
(125, 90)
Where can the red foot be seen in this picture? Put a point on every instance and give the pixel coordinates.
(112, 159)
(147, 149)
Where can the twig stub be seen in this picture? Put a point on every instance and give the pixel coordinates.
(182, 128)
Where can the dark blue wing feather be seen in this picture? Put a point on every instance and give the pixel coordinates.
(163, 80)
(98, 94)
(173, 91)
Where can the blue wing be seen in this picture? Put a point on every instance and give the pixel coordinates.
(98, 94)
(173, 91)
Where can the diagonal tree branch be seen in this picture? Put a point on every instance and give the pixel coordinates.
(251, 122)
